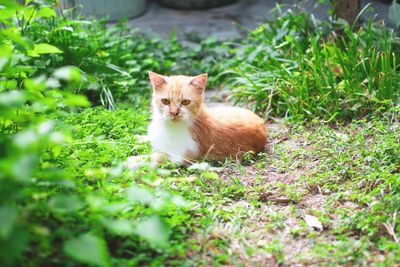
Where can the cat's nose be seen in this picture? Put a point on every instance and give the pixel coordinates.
(174, 113)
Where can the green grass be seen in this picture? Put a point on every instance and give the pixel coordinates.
(353, 172)
(297, 67)
(349, 169)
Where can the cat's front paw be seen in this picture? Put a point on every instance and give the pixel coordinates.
(136, 162)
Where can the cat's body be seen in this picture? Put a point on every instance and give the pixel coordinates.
(183, 129)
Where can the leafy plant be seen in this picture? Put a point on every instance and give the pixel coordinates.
(57, 203)
(115, 60)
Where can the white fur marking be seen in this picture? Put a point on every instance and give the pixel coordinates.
(171, 138)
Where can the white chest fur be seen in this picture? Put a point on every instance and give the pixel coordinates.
(171, 138)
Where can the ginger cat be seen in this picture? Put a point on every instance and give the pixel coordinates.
(183, 129)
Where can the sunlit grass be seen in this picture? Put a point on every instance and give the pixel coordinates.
(295, 67)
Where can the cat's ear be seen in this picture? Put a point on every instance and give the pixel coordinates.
(199, 82)
(157, 81)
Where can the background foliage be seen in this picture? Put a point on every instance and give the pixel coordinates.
(296, 66)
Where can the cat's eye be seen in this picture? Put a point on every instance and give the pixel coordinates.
(185, 102)
(165, 101)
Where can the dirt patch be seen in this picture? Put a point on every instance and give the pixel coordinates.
(263, 167)
(273, 232)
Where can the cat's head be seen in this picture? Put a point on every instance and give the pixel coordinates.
(177, 98)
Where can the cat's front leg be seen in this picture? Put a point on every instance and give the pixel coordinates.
(157, 158)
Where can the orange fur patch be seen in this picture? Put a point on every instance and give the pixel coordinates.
(228, 132)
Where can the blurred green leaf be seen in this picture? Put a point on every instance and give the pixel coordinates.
(8, 8)
(65, 203)
(12, 248)
(14, 36)
(8, 217)
(8, 84)
(119, 226)
(154, 230)
(46, 12)
(140, 195)
(68, 73)
(11, 99)
(114, 208)
(87, 248)
(95, 201)
(22, 168)
(76, 101)
(46, 49)
(26, 138)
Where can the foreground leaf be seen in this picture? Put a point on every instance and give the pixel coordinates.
(154, 230)
(120, 227)
(87, 248)
(9, 216)
(46, 49)
(65, 203)
(68, 73)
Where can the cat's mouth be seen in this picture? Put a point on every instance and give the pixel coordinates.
(176, 119)
(180, 117)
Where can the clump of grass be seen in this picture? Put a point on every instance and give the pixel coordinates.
(295, 66)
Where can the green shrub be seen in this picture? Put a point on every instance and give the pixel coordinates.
(114, 59)
(64, 194)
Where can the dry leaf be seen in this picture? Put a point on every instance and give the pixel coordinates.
(313, 222)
